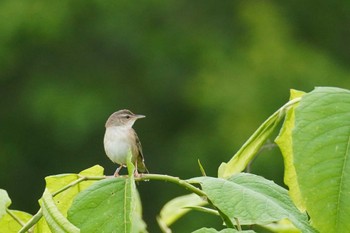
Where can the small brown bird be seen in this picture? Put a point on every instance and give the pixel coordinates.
(120, 138)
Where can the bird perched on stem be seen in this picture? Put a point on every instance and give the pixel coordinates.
(120, 138)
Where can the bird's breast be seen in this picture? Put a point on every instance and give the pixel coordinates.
(117, 144)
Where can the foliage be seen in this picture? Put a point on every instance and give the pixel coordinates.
(205, 73)
(314, 141)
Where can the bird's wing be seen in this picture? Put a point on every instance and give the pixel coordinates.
(140, 158)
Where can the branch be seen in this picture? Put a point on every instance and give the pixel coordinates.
(176, 180)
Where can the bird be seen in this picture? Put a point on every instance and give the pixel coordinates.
(120, 138)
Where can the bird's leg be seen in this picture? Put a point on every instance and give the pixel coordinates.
(116, 173)
(136, 173)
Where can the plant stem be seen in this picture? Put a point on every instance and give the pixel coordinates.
(186, 185)
(82, 178)
(10, 212)
(239, 228)
(176, 180)
(31, 222)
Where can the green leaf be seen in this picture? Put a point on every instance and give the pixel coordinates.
(252, 200)
(110, 205)
(5, 202)
(227, 230)
(176, 208)
(283, 226)
(64, 199)
(247, 152)
(130, 166)
(42, 226)
(54, 218)
(136, 224)
(321, 149)
(284, 141)
(96, 170)
(9, 222)
(56, 182)
(201, 168)
(205, 210)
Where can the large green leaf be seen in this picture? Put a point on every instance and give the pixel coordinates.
(284, 141)
(110, 205)
(107, 206)
(321, 149)
(251, 147)
(252, 199)
(63, 200)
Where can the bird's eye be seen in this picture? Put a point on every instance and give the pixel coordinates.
(127, 116)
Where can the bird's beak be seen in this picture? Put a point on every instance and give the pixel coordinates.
(139, 116)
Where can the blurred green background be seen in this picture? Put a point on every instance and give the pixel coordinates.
(205, 73)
